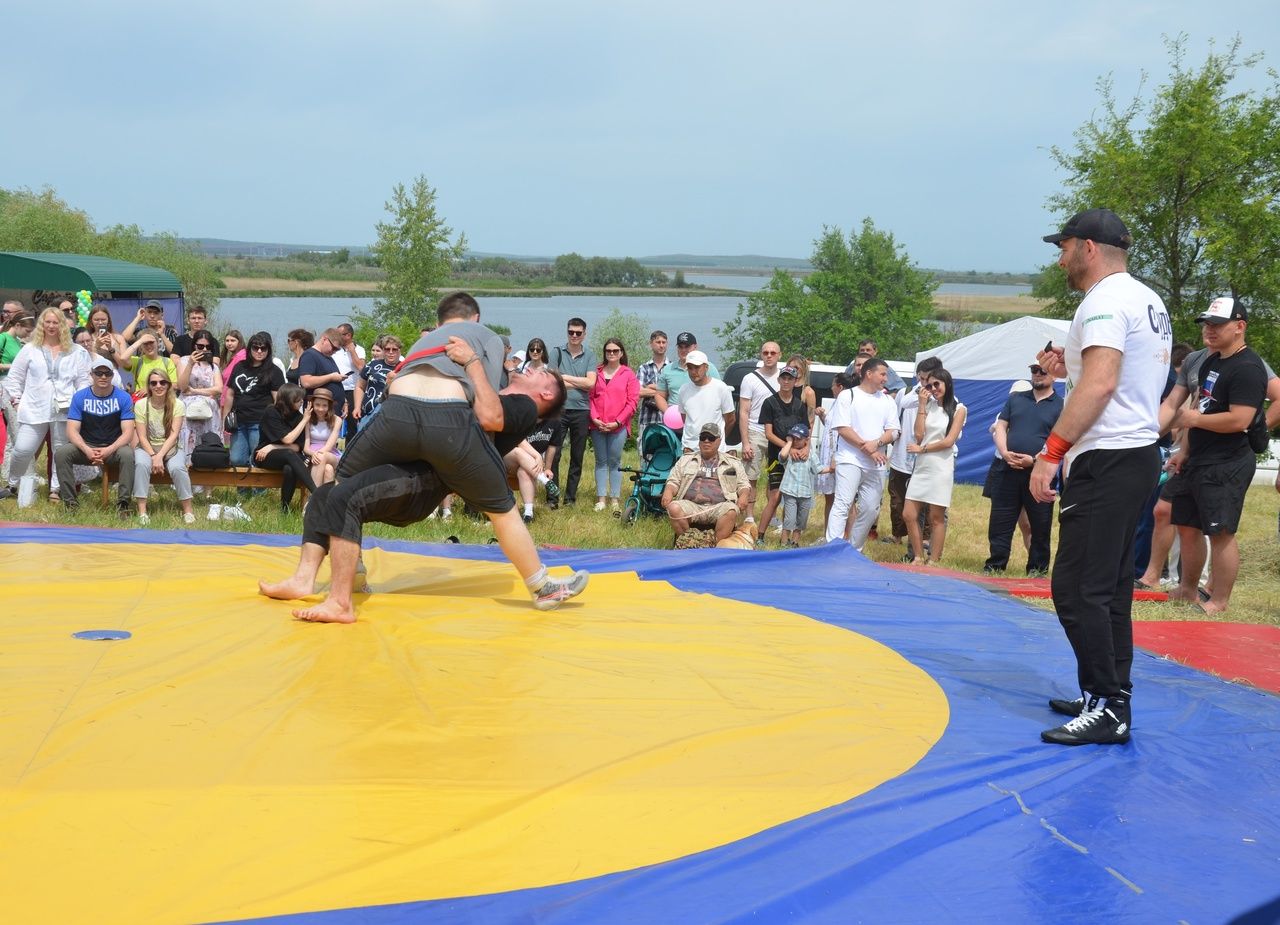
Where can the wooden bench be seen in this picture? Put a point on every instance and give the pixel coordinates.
(210, 478)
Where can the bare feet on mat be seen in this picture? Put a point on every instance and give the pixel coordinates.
(291, 589)
(328, 612)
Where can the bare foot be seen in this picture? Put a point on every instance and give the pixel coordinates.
(328, 612)
(291, 589)
(1212, 608)
(919, 561)
(1177, 594)
(934, 563)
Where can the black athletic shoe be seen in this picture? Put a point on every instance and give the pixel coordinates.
(1067, 707)
(6, 493)
(1100, 723)
(553, 494)
(528, 518)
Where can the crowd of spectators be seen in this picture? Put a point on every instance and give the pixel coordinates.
(69, 386)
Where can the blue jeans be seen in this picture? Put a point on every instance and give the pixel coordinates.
(244, 441)
(608, 450)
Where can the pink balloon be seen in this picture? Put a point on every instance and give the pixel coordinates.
(671, 417)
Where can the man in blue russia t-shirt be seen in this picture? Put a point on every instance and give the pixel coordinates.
(99, 432)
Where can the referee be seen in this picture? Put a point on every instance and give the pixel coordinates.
(1116, 361)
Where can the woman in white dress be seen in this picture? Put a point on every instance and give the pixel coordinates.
(938, 424)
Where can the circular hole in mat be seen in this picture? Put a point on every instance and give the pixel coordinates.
(102, 634)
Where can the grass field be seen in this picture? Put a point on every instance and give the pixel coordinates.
(962, 305)
(1256, 598)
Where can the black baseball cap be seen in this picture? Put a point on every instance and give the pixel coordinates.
(1099, 225)
(685, 339)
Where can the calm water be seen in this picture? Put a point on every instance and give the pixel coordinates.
(535, 317)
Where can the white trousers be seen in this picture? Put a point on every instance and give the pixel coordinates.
(863, 486)
(27, 444)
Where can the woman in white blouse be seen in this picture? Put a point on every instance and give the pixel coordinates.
(43, 377)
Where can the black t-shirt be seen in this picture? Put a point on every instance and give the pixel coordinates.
(1240, 379)
(314, 363)
(547, 433)
(275, 427)
(783, 416)
(519, 418)
(251, 389)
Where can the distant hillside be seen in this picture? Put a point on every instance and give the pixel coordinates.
(739, 262)
(754, 263)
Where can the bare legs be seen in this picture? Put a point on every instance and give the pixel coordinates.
(303, 581)
(344, 556)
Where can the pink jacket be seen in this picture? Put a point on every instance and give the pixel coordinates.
(614, 399)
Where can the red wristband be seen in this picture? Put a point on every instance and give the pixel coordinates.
(1054, 449)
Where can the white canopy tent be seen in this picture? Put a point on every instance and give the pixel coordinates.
(984, 366)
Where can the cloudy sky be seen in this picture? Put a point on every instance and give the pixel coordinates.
(619, 128)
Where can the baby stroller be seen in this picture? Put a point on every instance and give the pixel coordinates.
(659, 451)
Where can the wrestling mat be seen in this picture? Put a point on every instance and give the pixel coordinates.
(703, 736)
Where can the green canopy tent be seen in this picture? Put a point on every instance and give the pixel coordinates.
(120, 286)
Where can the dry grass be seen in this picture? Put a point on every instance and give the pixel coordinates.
(991, 304)
(276, 284)
(1256, 598)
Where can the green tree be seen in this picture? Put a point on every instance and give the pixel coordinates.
(862, 286)
(631, 329)
(415, 251)
(44, 223)
(1193, 168)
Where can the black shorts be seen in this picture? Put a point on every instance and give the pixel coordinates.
(777, 467)
(1214, 495)
(1174, 486)
(443, 434)
(397, 495)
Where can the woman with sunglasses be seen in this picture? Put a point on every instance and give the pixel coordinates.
(200, 388)
(158, 417)
(611, 403)
(938, 424)
(251, 388)
(535, 356)
(803, 389)
(280, 446)
(44, 376)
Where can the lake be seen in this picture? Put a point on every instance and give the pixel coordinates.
(535, 316)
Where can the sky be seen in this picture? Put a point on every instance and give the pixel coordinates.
(620, 129)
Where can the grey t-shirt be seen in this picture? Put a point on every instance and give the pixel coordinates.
(1189, 372)
(487, 345)
(576, 399)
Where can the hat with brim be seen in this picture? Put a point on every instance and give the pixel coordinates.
(709, 429)
(101, 362)
(1222, 310)
(696, 358)
(1099, 225)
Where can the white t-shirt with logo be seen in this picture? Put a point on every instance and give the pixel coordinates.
(704, 404)
(870, 415)
(1121, 313)
(757, 392)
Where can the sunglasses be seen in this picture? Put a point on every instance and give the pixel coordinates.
(1037, 371)
(707, 438)
(102, 372)
(934, 385)
(258, 347)
(159, 383)
(612, 350)
(576, 333)
(535, 349)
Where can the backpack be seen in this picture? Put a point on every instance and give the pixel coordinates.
(209, 453)
(1259, 436)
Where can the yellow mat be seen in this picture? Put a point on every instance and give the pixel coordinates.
(228, 762)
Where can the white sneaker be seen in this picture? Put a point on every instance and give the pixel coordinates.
(599, 506)
(446, 515)
(235, 513)
(144, 519)
(188, 518)
(215, 512)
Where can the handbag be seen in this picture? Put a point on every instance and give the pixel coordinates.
(229, 422)
(1259, 436)
(199, 410)
(209, 453)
